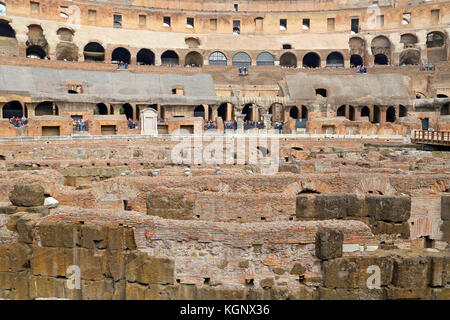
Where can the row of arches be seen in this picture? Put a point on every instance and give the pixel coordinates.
(391, 113)
(15, 109)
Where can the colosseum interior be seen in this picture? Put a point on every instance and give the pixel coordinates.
(224, 150)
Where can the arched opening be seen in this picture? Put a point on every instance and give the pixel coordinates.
(355, 60)
(410, 57)
(445, 109)
(65, 34)
(289, 60)
(127, 110)
(193, 59)
(102, 109)
(390, 114)
(436, 47)
(304, 112)
(35, 52)
(321, 92)
(6, 30)
(365, 112)
(12, 109)
(409, 40)
(402, 111)
(311, 60)
(222, 111)
(199, 111)
(46, 108)
(217, 59)
(241, 59)
(442, 96)
(376, 114)
(340, 111)
(248, 112)
(293, 113)
(264, 59)
(120, 55)
(335, 60)
(381, 59)
(351, 113)
(94, 51)
(67, 51)
(145, 57)
(169, 58)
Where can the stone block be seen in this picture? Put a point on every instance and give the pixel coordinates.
(411, 272)
(352, 294)
(305, 206)
(382, 227)
(440, 271)
(445, 229)
(298, 269)
(48, 287)
(91, 264)
(14, 285)
(329, 243)
(389, 208)
(394, 293)
(27, 195)
(93, 237)
(51, 261)
(178, 206)
(14, 257)
(266, 283)
(331, 206)
(57, 234)
(441, 294)
(23, 223)
(149, 270)
(97, 290)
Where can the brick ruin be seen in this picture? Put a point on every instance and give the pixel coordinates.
(139, 227)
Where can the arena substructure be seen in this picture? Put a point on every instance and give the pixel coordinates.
(211, 150)
(140, 226)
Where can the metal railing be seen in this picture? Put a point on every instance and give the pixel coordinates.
(431, 137)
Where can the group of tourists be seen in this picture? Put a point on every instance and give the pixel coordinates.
(230, 125)
(278, 126)
(210, 125)
(18, 122)
(250, 124)
(132, 124)
(79, 125)
(243, 70)
(361, 69)
(122, 65)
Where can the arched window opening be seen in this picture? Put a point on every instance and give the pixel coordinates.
(217, 59)
(169, 58)
(311, 60)
(264, 59)
(6, 30)
(355, 60)
(390, 114)
(341, 111)
(12, 109)
(193, 59)
(222, 111)
(435, 40)
(365, 112)
(94, 51)
(102, 109)
(46, 108)
(335, 60)
(120, 55)
(145, 57)
(402, 111)
(289, 60)
(445, 109)
(199, 111)
(241, 59)
(293, 113)
(410, 57)
(381, 59)
(127, 110)
(321, 92)
(35, 52)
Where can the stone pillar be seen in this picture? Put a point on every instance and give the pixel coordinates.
(357, 113)
(229, 109)
(214, 112)
(383, 114)
(31, 107)
(371, 109)
(347, 111)
(267, 122)
(240, 122)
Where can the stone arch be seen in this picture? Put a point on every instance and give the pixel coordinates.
(6, 30)
(436, 46)
(409, 40)
(264, 59)
(94, 51)
(145, 57)
(311, 60)
(36, 52)
(390, 114)
(402, 111)
(192, 42)
(127, 110)
(199, 111)
(365, 112)
(335, 60)
(12, 109)
(288, 59)
(294, 112)
(371, 185)
(340, 112)
(120, 54)
(410, 57)
(357, 45)
(222, 111)
(381, 46)
(170, 57)
(193, 58)
(65, 34)
(46, 108)
(241, 59)
(8, 42)
(37, 45)
(217, 58)
(102, 109)
(381, 59)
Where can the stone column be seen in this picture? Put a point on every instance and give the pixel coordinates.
(347, 111)
(357, 113)
(267, 122)
(371, 109)
(229, 108)
(240, 122)
(383, 114)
